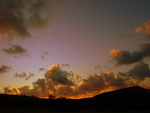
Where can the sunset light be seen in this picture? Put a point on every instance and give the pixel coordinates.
(73, 49)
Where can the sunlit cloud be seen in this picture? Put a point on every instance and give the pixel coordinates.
(145, 29)
(60, 83)
(15, 49)
(138, 29)
(126, 57)
(58, 76)
(4, 69)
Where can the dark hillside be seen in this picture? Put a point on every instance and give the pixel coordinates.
(133, 98)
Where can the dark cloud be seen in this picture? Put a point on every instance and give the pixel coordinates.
(41, 69)
(140, 71)
(97, 67)
(29, 76)
(4, 69)
(44, 54)
(126, 57)
(7, 90)
(99, 82)
(40, 84)
(15, 49)
(65, 65)
(24, 75)
(17, 17)
(58, 76)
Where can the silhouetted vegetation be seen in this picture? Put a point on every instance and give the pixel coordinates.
(51, 97)
(128, 99)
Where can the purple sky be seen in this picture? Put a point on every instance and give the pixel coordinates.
(79, 36)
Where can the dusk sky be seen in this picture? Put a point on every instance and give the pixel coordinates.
(73, 48)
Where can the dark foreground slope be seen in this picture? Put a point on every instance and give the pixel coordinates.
(133, 98)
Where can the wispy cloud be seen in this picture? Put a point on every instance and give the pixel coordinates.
(4, 69)
(15, 49)
(24, 75)
(65, 65)
(41, 69)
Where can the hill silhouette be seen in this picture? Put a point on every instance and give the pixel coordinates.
(132, 98)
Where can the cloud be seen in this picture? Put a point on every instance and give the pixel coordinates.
(97, 67)
(41, 69)
(15, 49)
(99, 82)
(7, 90)
(126, 57)
(65, 65)
(44, 54)
(58, 76)
(138, 29)
(29, 76)
(17, 17)
(140, 71)
(40, 84)
(145, 29)
(4, 69)
(24, 75)
(61, 83)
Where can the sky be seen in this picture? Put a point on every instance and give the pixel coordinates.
(73, 48)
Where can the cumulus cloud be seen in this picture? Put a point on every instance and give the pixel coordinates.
(126, 57)
(7, 90)
(15, 49)
(24, 75)
(99, 82)
(17, 17)
(4, 69)
(40, 84)
(61, 83)
(58, 76)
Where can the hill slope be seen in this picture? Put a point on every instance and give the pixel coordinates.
(133, 98)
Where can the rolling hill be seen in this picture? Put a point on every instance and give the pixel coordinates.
(132, 98)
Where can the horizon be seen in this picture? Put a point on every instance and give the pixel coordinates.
(73, 49)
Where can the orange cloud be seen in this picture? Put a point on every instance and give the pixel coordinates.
(144, 29)
(61, 83)
(116, 53)
(147, 27)
(53, 67)
(126, 57)
(138, 29)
